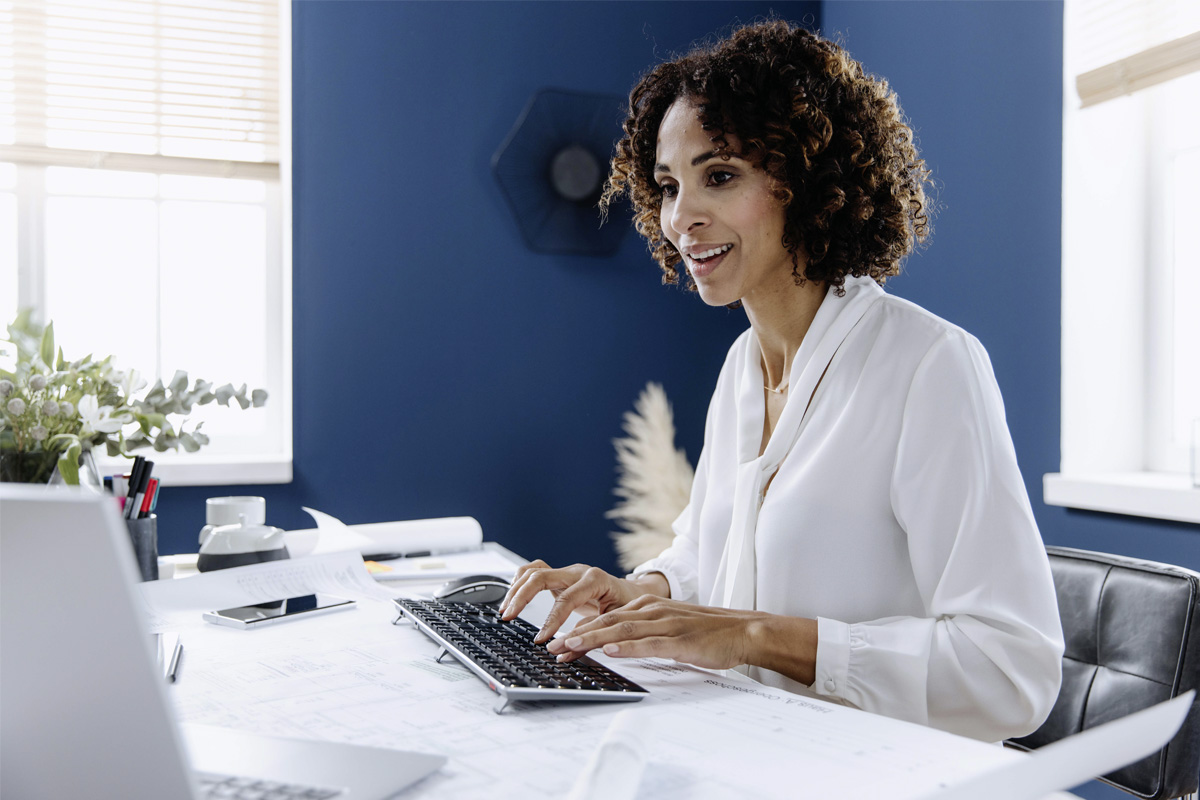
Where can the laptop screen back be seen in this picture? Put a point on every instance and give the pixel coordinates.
(81, 702)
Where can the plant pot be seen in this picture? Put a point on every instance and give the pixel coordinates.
(89, 474)
(18, 466)
(41, 466)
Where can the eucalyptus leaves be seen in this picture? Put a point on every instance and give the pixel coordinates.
(50, 405)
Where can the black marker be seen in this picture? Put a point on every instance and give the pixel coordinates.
(391, 556)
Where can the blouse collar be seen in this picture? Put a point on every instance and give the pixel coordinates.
(835, 318)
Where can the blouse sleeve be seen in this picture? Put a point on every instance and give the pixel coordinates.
(985, 660)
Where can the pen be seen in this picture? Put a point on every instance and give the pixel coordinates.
(120, 488)
(135, 478)
(142, 486)
(390, 556)
(414, 554)
(168, 662)
(148, 501)
(173, 665)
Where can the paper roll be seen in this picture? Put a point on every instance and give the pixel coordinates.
(438, 535)
(615, 767)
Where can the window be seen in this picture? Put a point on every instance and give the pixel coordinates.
(1131, 252)
(143, 207)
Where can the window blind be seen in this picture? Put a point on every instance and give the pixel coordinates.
(1122, 46)
(184, 86)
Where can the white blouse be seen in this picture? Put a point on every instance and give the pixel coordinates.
(897, 518)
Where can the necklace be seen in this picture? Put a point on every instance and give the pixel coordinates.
(783, 384)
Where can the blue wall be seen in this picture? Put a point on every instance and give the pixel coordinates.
(441, 368)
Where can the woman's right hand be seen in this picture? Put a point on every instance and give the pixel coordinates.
(579, 587)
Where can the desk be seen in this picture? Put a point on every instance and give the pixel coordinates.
(354, 677)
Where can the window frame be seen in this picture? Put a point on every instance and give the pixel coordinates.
(200, 468)
(1117, 330)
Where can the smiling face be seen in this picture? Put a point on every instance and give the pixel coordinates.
(720, 215)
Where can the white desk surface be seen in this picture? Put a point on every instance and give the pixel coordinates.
(354, 677)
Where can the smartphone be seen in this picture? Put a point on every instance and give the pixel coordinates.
(256, 616)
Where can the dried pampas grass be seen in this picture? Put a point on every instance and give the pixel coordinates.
(654, 480)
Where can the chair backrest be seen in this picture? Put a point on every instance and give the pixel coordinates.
(1127, 624)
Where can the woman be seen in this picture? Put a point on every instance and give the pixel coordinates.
(857, 526)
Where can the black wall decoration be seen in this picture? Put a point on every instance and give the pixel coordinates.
(552, 167)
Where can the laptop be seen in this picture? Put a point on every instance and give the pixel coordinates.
(84, 711)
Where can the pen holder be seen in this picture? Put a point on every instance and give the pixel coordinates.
(143, 533)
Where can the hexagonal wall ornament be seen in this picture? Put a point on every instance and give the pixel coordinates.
(551, 169)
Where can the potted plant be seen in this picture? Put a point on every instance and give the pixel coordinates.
(54, 412)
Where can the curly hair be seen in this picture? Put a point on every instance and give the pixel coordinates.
(832, 139)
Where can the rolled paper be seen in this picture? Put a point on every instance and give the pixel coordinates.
(437, 535)
(614, 769)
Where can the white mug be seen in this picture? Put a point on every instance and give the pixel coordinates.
(226, 510)
(233, 511)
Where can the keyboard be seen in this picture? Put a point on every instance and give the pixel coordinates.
(504, 656)
(214, 786)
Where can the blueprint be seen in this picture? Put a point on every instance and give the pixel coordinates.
(355, 677)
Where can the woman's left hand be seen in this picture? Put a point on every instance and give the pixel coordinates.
(713, 638)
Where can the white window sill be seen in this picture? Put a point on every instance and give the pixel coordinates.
(1142, 494)
(198, 470)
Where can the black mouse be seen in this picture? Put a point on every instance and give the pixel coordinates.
(479, 589)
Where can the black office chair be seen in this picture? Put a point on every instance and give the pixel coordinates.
(1129, 645)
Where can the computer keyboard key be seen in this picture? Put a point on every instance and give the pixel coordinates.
(241, 788)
